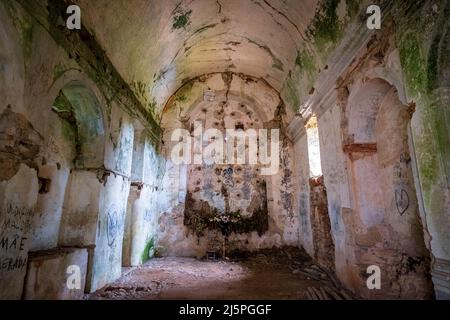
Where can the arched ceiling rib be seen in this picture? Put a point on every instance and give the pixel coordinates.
(157, 45)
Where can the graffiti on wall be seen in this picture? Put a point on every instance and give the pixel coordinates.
(112, 225)
(13, 238)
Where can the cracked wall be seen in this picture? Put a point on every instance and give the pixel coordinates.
(201, 194)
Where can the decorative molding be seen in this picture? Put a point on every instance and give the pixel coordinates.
(296, 128)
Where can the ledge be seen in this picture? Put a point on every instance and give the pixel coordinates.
(360, 148)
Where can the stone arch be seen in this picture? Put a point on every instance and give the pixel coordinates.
(385, 214)
(62, 118)
(78, 106)
(93, 217)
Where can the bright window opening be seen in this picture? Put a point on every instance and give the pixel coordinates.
(312, 133)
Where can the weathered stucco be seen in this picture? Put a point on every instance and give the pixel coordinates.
(86, 117)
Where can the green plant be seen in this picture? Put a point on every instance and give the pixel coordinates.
(149, 250)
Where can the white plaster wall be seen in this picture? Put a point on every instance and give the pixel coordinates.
(107, 257)
(303, 190)
(336, 183)
(18, 198)
(80, 216)
(49, 207)
(119, 143)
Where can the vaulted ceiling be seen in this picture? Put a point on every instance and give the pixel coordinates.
(158, 45)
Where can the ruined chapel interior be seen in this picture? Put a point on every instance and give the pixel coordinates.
(355, 182)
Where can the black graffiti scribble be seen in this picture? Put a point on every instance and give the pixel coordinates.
(401, 201)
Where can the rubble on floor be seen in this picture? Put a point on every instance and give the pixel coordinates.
(278, 273)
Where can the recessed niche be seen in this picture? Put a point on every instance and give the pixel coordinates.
(44, 185)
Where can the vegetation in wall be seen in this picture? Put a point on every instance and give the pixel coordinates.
(181, 19)
(149, 250)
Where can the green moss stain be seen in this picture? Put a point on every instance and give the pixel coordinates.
(85, 51)
(149, 250)
(64, 109)
(415, 74)
(438, 55)
(69, 131)
(421, 54)
(325, 28)
(27, 37)
(291, 94)
(24, 26)
(306, 62)
(184, 92)
(181, 19)
(140, 88)
(413, 64)
(433, 143)
(58, 71)
(181, 98)
(323, 33)
(352, 7)
(142, 91)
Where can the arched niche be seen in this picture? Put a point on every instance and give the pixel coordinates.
(71, 121)
(226, 102)
(80, 110)
(199, 94)
(385, 212)
(78, 106)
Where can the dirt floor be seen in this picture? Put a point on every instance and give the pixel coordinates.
(286, 273)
